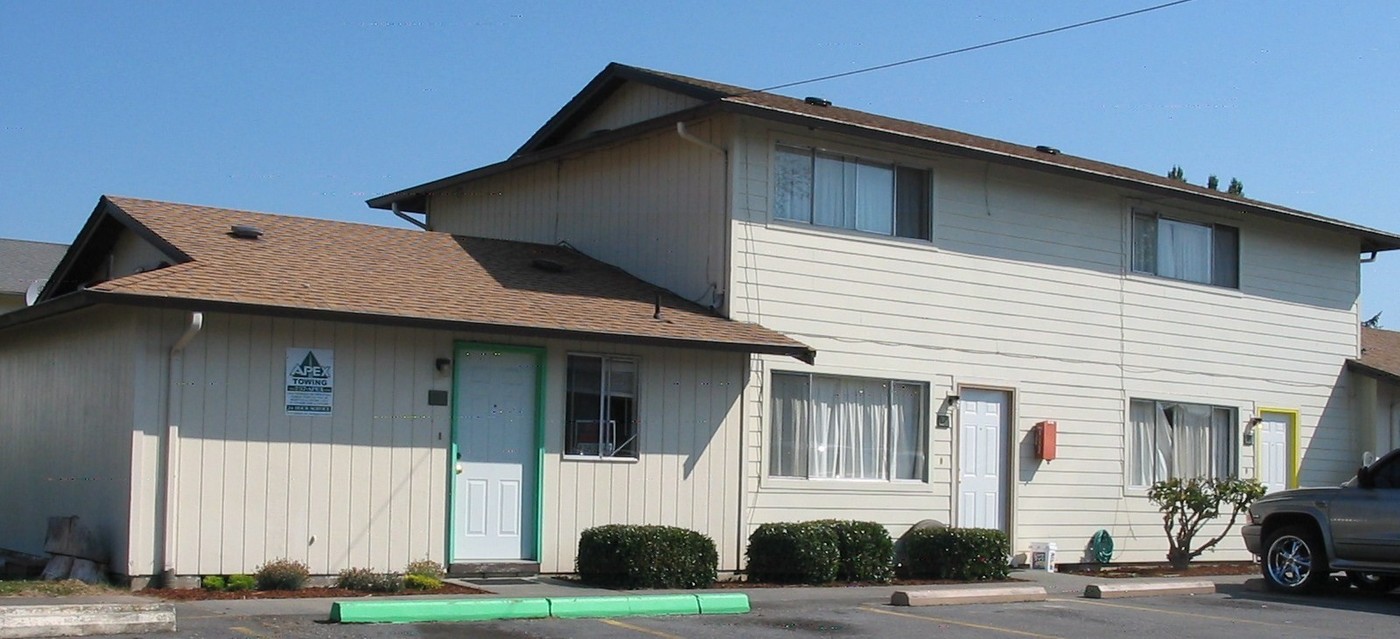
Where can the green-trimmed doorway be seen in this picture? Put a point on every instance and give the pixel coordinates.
(497, 413)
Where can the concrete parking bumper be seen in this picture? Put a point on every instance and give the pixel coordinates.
(968, 595)
(79, 620)
(1133, 588)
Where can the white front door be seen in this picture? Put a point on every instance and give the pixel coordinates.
(1271, 449)
(983, 422)
(493, 495)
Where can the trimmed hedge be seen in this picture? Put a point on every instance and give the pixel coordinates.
(865, 548)
(625, 556)
(965, 554)
(794, 553)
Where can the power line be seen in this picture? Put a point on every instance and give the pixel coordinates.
(973, 48)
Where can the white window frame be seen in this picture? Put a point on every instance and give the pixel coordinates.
(851, 218)
(607, 445)
(1151, 420)
(804, 452)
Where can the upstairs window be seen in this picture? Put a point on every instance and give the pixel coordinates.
(1178, 440)
(1190, 251)
(601, 408)
(826, 189)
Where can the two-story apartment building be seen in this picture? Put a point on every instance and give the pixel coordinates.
(959, 291)
(680, 303)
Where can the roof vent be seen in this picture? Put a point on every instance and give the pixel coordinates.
(816, 101)
(1048, 149)
(548, 266)
(245, 232)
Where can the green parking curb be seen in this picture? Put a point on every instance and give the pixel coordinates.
(729, 603)
(623, 606)
(423, 610)
(426, 610)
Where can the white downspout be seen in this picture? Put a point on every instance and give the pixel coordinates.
(169, 500)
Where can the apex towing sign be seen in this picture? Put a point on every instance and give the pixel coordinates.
(310, 381)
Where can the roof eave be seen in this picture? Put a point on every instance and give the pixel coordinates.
(1357, 366)
(795, 350)
(414, 199)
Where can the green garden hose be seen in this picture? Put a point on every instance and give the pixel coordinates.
(1102, 546)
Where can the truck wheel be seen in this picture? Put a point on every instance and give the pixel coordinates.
(1372, 582)
(1294, 560)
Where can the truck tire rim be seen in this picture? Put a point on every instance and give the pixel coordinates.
(1290, 561)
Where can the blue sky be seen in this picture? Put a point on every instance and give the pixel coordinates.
(311, 108)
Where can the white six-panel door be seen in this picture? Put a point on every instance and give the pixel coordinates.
(983, 420)
(494, 491)
(1271, 449)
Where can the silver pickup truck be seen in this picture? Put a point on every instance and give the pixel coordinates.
(1304, 535)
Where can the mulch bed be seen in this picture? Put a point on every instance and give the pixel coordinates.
(855, 584)
(1208, 569)
(200, 594)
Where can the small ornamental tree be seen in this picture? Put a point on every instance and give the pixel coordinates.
(1213, 183)
(1236, 187)
(1187, 505)
(1176, 174)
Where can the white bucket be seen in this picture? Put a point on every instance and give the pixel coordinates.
(1043, 555)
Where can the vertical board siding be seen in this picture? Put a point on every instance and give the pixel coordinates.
(653, 207)
(631, 103)
(367, 486)
(1024, 287)
(66, 412)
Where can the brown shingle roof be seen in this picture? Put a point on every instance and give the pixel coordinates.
(778, 107)
(372, 271)
(1380, 354)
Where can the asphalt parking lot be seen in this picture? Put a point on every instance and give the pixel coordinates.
(1237, 611)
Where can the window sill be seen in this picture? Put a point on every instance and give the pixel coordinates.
(604, 460)
(1202, 287)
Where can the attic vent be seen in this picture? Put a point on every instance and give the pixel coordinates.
(548, 266)
(816, 101)
(1048, 149)
(245, 232)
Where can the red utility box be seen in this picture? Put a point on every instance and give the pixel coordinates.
(1045, 436)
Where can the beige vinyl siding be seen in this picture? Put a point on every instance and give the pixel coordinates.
(653, 207)
(369, 483)
(631, 103)
(66, 413)
(1025, 287)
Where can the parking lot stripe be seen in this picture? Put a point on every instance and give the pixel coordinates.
(648, 631)
(953, 622)
(1095, 602)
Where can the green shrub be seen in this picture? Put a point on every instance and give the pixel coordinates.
(965, 554)
(354, 579)
(1188, 505)
(425, 567)
(417, 581)
(239, 583)
(865, 548)
(282, 574)
(804, 553)
(624, 556)
(366, 580)
(213, 582)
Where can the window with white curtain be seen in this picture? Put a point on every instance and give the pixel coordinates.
(839, 191)
(1190, 251)
(827, 427)
(1176, 439)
